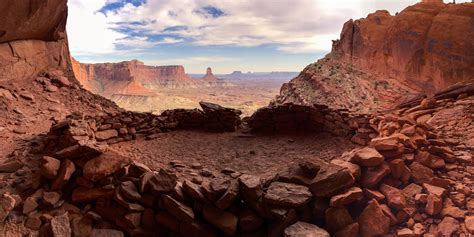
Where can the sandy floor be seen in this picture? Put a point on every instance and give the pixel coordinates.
(229, 150)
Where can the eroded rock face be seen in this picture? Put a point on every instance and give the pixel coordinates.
(209, 75)
(422, 45)
(128, 77)
(423, 49)
(32, 37)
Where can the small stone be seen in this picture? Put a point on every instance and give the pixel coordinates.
(66, 170)
(225, 221)
(434, 205)
(177, 209)
(374, 175)
(51, 88)
(27, 95)
(447, 227)
(372, 221)
(33, 223)
(106, 233)
(351, 230)
(303, 229)
(351, 195)
(395, 197)
(60, 226)
(129, 191)
(286, 194)
(7, 203)
(251, 187)
(453, 211)
(367, 157)
(29, 205)
(373, 194)
(469, 222)
(420, 173)
(418, 229)
(104, 165)
(405, 232)
(194, 191)
(106, 135)
(226, 200)
(337, 218)
(162, 182)
(51, 198)
(437, 191)
(10, 166)
(249, 221)
(50, 167)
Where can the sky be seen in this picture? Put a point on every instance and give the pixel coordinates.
(227, 35)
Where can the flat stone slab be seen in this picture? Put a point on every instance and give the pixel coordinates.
(286, 194)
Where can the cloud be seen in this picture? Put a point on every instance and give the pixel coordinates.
(190, 60)
(294, 26)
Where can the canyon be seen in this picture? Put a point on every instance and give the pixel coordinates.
(136, 86)
(340, 152)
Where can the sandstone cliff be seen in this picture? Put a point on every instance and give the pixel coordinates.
(32, 37)
(138, 78)
(425, 48)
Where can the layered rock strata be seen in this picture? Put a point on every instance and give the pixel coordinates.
(32, 38)
(380, 59)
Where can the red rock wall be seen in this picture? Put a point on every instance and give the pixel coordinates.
(32, 37)
(426, 45)
(127, 78)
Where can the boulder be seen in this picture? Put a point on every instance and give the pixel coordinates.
(104, 165)
(286, 194)
(434, 205)
(303, 229)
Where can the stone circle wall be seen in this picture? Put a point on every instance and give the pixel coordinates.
(317, 118)
(396, 185)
